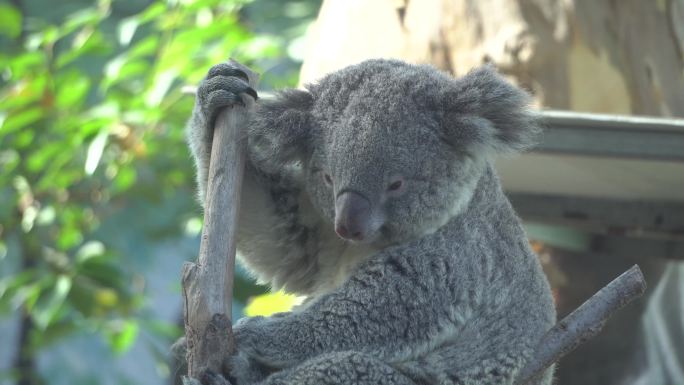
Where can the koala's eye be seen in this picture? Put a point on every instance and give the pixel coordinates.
(395, 186)
(328, 179)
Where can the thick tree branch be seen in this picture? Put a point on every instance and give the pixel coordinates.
(584, 323)
(208, 284)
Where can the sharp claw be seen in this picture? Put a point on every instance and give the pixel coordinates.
(241, 74)
(227, 70)
(250, 91)
(229, 84)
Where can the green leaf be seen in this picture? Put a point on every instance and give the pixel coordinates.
(10, 21)
(69, 237)
(71, 90)
(86, 42)
(162, 83)
(28, 218)
(38, 160)
(101, 270)
(25, 63)
(90, 249)
(95, 151)
(84, 17)
(58, 330)
(126, 29)
(145, 47)
(10, 284)
(65, 178)
(44, 313)
(82, 295)
(21, 120)
(125, 70)
(29, 293)
(125, 177)
(46, 215)
(152, 12)
(46, 37)
(122, 335)
(24, 138)
(109, 109)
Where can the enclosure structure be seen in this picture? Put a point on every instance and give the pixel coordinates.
(618, 179)
(604, 191)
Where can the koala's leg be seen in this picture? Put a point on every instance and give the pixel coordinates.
(482, 355)
(340, 368)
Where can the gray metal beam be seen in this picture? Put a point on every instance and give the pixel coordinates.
(664, 219)
(612, 136)
(629, 247)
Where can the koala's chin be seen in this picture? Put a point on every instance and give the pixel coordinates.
(375, 239)
(391, 235)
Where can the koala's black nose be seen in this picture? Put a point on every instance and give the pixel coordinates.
(352, 216)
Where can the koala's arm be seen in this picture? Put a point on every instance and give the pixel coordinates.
(392, 307)
(418, 311)
(223, 87)
(277, 233)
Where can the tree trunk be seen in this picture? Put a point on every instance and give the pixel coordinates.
(594, 56)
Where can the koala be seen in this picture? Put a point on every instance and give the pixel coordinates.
(373, 193)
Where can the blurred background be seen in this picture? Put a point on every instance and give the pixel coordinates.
(97, 196)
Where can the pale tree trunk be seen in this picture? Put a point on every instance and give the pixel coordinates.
(608, 56)
(595, 56)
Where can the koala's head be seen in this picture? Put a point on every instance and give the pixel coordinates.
(391, 151)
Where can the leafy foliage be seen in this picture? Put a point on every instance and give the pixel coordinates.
(92, 108)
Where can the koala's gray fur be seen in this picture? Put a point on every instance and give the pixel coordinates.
(444, 288)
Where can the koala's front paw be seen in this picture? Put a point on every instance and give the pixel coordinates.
(222, 88)
(242, 369)
(248, 331)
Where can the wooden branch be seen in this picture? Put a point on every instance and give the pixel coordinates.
(208, 284)
(584, 323)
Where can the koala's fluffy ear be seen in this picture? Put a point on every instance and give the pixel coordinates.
(483, 111)
(281, 129)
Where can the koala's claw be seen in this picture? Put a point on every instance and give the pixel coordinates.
(232, 84)
(227, 69)
(222, 88)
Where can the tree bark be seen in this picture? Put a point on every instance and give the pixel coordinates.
(208, 284)
(584, 323)
(594, 56)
